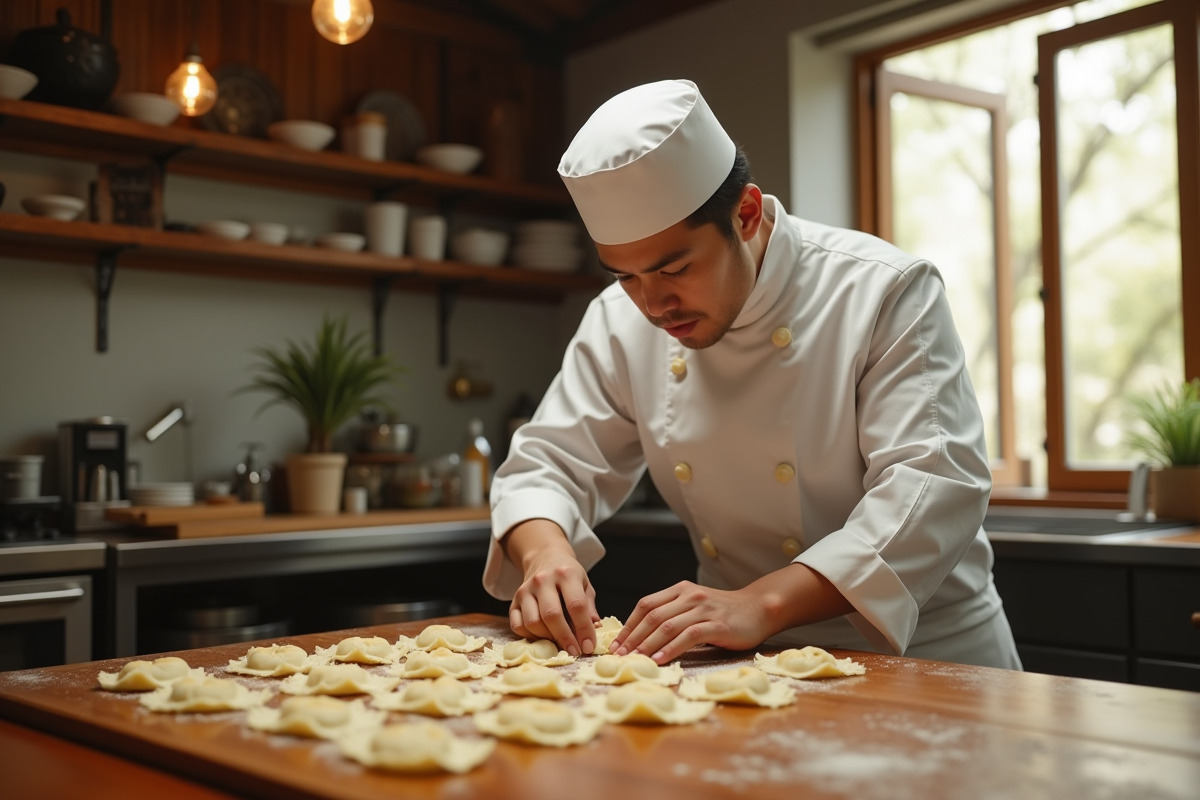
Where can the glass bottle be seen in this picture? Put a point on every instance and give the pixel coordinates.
(476, 465)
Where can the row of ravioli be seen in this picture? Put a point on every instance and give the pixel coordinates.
(430, 675)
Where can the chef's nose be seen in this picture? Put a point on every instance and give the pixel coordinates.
(658, 297)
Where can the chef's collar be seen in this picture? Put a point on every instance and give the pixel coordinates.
(772, 274)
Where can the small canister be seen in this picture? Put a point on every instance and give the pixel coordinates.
(365, 135)
(20, 477)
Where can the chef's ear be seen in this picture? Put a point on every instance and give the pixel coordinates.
(748, 214)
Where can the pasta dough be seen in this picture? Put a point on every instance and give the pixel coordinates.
(645, 702)
(316, 717)
(441, 697)
(807, 662)
(436, 636)
(439, 662)
(203, 695)
(143, 676)
(606, 630)
(523, 651)
(533, 680)
(533, 720)
(743, 685)
(337, 679)
(628, 668)
(360, 650)
(274, 661)
(423, 746)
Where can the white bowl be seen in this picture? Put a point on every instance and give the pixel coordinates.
(479, 246)
(460, 158)
(156, 109)
(15, 82)
(349, 242)
(268, 232)
(55, 206)
(224, 229)
(303, 133)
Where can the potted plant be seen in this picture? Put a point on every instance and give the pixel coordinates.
(1171, 439)
(327, 381)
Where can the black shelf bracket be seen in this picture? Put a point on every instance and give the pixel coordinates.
(447, 295)
(163, 159)
(379, 297)
(384, 192)
(106, 272)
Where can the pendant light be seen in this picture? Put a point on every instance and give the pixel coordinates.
(191, 86)
(343, 21)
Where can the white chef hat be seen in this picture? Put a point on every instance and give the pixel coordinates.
(646, 159)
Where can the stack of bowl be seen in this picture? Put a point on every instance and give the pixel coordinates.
(162, 494)
(550, 245)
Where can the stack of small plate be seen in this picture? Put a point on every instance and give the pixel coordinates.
(162, 494)
(550, 245)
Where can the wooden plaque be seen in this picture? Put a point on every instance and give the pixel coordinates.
(129, 194)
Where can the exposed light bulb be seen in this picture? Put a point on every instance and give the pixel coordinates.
(192, 87)
(343, 21)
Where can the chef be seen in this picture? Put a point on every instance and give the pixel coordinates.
(798, 394)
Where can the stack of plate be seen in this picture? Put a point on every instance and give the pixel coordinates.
(162, 494)
(550, 245)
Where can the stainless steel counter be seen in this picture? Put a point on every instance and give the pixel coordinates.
(67, 556)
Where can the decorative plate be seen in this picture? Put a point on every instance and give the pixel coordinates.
(405, 127)
(246, 102)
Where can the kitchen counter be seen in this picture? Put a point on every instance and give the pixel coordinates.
(907, 728)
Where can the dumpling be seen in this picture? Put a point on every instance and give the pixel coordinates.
(337, 679)
(203, 695)
(422, 746)
(439, 662)
(360, 650)
(436, 636)
(628, 668)
(533, 720)
(142, 675)
(274, 661)
(645, 702)
(606, 630)
(316, 717)
(808, 662)
(441, 697)
(523, 651)
(533, 680)
(743, 685)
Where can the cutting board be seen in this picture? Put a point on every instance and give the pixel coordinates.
(195, 522)
(159, 516)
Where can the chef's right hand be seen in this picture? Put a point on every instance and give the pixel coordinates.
(555, 599)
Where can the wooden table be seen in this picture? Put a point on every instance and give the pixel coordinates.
(908, 728)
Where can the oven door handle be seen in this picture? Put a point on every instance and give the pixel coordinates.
(73, 593)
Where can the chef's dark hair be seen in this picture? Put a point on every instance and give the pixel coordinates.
(718, 209)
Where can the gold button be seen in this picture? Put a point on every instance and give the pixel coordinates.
(708, 547)
(782, 337)
(784, 472)
(683, 472)
(791, 548)
(678, 367)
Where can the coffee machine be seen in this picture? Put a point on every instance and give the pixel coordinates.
(91, 470)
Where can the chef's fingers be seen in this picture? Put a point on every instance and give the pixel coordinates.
(647, 615)
(580, 604)
(557, 625)
(525, 609)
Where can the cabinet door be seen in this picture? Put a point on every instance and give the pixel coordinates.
(1164, 600)
(1074, 663)
(1167, 674)
(1062, 604)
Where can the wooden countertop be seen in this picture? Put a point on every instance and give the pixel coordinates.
(908, 728)
(188, 526)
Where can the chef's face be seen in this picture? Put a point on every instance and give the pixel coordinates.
(693, 282)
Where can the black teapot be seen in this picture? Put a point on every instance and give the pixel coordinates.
(74, 67)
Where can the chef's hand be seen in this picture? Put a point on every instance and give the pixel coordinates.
(666, 624)
(555, 599)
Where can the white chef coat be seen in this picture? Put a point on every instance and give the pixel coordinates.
(834, 425)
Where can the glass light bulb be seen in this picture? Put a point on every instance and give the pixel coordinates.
(343, 21)
(192, 87)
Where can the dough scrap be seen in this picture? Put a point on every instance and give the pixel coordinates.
(742, 685)
(612, 669)
(436, 636)
(143, 676)
(204, 694)
(422, 746)
(533, 720)
(606, 630)
(649, 703)
(315, 717)
(274, 661)
(338, 679)
(440, 697)
(532, 680)
(438, 662)
(808, 662)
(359, 650)
(523, 651)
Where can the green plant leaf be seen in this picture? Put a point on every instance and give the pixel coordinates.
(1171, 425)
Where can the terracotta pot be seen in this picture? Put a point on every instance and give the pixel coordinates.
(314, 482)
(1175, 493)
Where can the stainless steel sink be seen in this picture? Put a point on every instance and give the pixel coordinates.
(1068, 524)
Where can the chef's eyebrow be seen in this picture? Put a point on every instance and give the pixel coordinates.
(662, 263)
